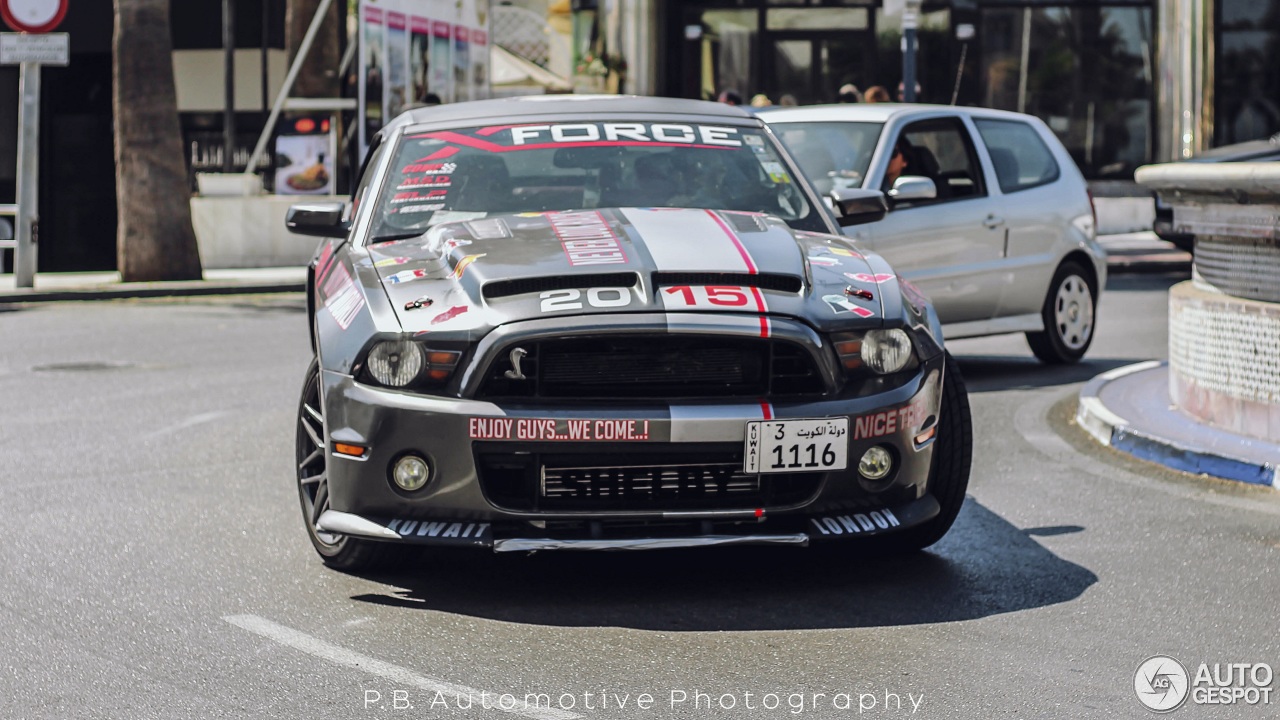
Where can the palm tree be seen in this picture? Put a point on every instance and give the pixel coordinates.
(318, 77)
(154, 238)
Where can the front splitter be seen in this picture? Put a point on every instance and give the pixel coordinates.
(799, 531)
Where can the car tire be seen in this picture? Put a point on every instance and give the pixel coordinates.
(949, 470)
(1070, 316)
(339, 552)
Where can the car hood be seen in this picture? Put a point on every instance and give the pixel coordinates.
(488, 271)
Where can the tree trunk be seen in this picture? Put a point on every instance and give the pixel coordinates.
(318, 77)
(155, 240)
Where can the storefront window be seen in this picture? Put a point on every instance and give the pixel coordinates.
(936, 59)
(1248, 86)
(1085, 71)
(817, 18)
(728, 41)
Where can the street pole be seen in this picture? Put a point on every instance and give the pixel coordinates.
(24, 261)
(229, 66)
(910, 12)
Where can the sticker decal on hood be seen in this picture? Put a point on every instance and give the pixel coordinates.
(841, 305)
(587, 238)
(461, 267)
(866, 277)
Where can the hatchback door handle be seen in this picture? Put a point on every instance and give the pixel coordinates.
(993, 222)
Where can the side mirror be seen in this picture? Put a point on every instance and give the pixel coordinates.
(913, 187)
(856, 206)
(318, 220)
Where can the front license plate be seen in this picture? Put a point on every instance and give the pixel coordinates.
(780, 446)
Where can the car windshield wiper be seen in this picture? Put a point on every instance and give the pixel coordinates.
(397, 236)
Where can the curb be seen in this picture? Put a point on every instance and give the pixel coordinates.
(1114, 431)
(150, 290)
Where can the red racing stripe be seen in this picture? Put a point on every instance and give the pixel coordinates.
(767, 409)
(733, 238)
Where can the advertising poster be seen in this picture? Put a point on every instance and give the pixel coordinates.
(304, 164)
(441, 71)
(412, 48)
(480, 63)
(461, 64)
(371, 72)
(397, 63)
(420, 60)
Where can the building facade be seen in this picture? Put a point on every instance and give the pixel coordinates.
(1122, 82)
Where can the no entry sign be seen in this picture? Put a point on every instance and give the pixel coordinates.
(33, 16)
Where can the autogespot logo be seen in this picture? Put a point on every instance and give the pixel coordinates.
(1161, 683)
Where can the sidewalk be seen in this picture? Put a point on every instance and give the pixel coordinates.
(107, 286)
(1143, 252)
(1129, 409)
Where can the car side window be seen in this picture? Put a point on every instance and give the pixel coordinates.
(940, 149)
(1020, 157)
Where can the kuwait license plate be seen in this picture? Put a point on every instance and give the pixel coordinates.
(779, 446)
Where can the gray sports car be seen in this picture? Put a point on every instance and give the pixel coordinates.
(613, 323)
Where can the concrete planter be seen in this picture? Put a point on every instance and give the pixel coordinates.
(1224, 324)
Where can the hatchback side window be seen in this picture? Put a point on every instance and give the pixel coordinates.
(1020, 157)
(942, 151)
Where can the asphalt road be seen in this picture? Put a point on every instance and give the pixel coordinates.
(154, 564)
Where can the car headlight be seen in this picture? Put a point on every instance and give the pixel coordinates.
(886, 351)
(396, 363)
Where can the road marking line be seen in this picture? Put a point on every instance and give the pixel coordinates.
(385, 670)
(190, 422)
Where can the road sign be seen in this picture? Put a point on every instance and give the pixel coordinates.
(33, 16)
(46, 49)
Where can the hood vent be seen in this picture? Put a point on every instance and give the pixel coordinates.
(765, 281)
(523, 286)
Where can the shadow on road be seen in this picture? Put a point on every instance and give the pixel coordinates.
(990, 373)
(985, 566)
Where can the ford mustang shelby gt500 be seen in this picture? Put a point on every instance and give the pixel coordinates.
(611, 323)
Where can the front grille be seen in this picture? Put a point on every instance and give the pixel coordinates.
(658, 367)
(657, 480)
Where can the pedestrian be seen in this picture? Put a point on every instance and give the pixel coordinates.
(877, 94)
(760, 100)
(729, 97)
(849, 94)
(788, 100)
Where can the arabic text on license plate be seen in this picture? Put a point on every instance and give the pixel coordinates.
(778, 446)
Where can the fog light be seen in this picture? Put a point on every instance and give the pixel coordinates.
(411, 473)
(876, 463)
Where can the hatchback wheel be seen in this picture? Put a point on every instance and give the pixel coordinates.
(1069, 313)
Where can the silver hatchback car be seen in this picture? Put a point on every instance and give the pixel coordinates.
(989, 214)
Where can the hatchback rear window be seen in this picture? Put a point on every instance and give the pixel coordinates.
(1021, 158)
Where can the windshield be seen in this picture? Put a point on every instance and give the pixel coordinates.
(831, 154)
(467, 173)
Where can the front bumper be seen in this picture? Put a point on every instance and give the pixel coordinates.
(460, 506)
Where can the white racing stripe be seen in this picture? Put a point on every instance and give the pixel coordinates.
(385, 670)
(686, 241)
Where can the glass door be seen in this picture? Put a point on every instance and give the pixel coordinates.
(811, 67)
